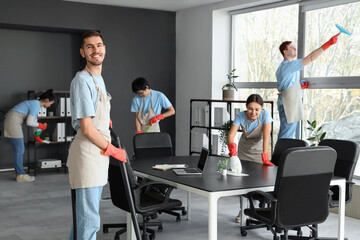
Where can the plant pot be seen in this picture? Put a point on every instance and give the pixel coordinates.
(229, 94)
(224, 172)
(50, 114)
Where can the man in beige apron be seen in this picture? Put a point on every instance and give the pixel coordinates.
(147, 106)
(288, 80)
(89, 152)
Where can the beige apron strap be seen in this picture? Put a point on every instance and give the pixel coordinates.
(292, 101)
(250, 145)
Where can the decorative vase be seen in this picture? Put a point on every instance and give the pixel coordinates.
(228, 94)
(224, 172)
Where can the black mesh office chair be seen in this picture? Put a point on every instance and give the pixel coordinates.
(300, 197)
(347, 156)
(145, 204)
(156, 144)
(280, 146)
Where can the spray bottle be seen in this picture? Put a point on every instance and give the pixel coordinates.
(38, 131)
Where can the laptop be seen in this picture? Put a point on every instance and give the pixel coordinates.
(194, 171)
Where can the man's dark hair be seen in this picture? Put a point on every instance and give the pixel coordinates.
(283, 47)
(255, 98)
(47, 95)
(88, 34)
(139, 84)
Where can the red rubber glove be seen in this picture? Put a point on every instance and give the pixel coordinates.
(304, 84)
(115, 152)
(110, 123)
(139, 132)
(265, 159)
(232, 149)
(156, 119)
(38, 139)
(42, 126)
(332, 41)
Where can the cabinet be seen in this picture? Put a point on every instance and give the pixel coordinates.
(208, 115)
(59, 132)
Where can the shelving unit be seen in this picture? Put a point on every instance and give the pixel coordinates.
(211, 129)
(60, 147)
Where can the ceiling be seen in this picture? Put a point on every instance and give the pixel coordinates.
(165, 5)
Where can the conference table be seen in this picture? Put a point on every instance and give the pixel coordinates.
(213, 185)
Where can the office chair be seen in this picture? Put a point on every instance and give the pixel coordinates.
(145, 205)
(156, 144)
(300, 197)
(347, 156)
(280, 146)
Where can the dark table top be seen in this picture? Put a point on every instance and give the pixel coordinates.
(210, 180)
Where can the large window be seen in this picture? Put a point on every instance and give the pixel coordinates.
(257, 36)
(333, 99)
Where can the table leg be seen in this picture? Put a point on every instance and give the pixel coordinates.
(341, 226)
(242, 207)
(212, 225)
(188, 217)
(130, 232)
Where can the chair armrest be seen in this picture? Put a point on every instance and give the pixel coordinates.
(151, 183)
(262, 196)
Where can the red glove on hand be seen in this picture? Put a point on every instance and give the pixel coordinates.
(304, 84)
(232, 149)
(156, 119)
(38, 139)
(110, 123)
(42, 126)
(115, 152)
(332, 41)
(139, 132)
(265, 159)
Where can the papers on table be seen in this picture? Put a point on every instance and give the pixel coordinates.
(168, 166)
(237, 174)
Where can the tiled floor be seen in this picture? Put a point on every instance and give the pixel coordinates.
(41, 210)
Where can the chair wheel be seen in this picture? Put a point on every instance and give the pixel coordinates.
(276, 238)
(183, 212)
(299, 233)
(160, 229)
(117, 237)
(105, 230)
(151, 237)
(243, 233)
(178, 219)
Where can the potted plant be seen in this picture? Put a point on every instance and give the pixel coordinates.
(222, 166)
(230, 88)
(317, 135)
(224, 133)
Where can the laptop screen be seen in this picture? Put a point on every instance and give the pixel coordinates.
(203, 156)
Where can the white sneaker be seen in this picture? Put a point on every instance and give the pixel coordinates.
(238, 218)
(24, 178)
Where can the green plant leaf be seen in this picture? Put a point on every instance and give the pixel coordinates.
(311, 129)
(312, 139)
(308, 122)
(313, 124)
(319, 129)
(322, 136)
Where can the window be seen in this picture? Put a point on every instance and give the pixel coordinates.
(342, 59)
(333, 99)
(257, 36)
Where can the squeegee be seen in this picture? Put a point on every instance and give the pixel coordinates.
(343, 30)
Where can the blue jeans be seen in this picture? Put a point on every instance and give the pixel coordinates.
(87, 213)
(287, 130)
(19, 149)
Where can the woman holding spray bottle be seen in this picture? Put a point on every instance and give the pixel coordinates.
(13, 129)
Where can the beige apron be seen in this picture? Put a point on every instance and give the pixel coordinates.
(144, 118)
(292, 101)
(13, 124)
(250, 145)
(87, 166)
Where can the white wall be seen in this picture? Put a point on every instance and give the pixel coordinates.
(202, 58)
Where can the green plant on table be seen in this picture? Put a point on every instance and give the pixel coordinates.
(224, 133)
(316, 135)
(222, 165)
(231, 78)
